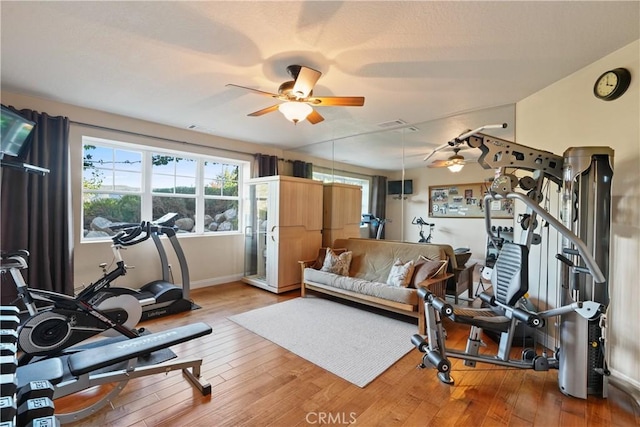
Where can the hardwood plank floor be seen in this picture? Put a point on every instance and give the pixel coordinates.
(257, 383)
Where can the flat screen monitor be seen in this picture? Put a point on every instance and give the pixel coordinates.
(395, 187)
(15, 133)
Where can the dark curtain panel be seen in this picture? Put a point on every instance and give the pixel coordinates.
(265, 165)
(378, 202)
(302, 169)
(35, 210)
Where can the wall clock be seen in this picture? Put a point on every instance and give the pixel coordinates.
(612, 84)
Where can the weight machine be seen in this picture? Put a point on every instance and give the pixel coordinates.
(584, 177)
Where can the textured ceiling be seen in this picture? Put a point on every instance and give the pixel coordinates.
(169, 62)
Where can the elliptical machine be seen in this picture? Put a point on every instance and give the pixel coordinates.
(162, 297)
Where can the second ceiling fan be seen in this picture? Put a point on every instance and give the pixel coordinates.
(298, 98)
(455, 163)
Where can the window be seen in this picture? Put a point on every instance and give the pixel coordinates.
(330, 176)
(130, 183)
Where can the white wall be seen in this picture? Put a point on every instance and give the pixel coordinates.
(566, 114)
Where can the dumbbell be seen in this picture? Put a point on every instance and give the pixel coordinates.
(8, 409)
(35, 408)
(8, 310)
(8, 336)
(8, 349)
(33, 390)
(8, 364)
(8, 384)
(9, 321)
(50, 421)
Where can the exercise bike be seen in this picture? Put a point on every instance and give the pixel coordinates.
(68, 320)
(421, 222)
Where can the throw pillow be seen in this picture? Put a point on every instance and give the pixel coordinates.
(337, 264)
(426, 269)
(400, 274)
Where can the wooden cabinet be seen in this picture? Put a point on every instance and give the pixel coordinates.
(342, 206)
(283, 224)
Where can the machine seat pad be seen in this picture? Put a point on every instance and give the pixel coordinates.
(47, 369)
(484, 318)
(103, 356)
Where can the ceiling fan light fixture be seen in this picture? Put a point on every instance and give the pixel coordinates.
(456, 167)
(456, 163)
(295, 111)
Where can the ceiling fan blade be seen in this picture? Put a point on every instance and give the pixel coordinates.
(306, 80)
(438, 164)
(259, 92)
(314, 117)
(337, 101)
(264, 111)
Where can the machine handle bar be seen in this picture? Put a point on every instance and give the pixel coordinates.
(531, 319)
(437, 303)
(130, 239)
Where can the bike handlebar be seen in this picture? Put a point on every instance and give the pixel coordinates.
(420, 221)
(124, 238)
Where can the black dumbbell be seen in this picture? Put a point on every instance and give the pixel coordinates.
(8, 310)
(35, 389)
(35, 408)
(8, 384)
(8, 364)
(9, 321)
(7, 408)
(9, 336)
(50, 421)
(8, 349)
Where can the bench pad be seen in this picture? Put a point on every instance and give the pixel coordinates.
(100, 357)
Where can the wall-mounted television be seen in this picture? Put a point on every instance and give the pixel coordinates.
(395, 187)
(15, 133)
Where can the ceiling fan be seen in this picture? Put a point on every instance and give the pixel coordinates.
(298, 99)
(455, 163)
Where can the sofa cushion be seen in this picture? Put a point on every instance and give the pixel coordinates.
(426, 269)
(338, 264)
(364, 287)
(400, 274)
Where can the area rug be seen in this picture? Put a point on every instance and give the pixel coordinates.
(354, 344)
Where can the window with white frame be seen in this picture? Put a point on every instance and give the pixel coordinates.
(129, 183)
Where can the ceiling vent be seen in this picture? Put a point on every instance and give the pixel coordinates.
(392, 123)
(200, 128)
(407, 129)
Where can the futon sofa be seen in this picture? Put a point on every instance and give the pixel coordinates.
(368, 274)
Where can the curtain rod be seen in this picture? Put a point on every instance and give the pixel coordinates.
(89, 125)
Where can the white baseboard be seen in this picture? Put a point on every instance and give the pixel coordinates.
(215, 281)
(546, 340)
(626, 384)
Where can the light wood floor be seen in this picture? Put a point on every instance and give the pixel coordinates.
(257, 383)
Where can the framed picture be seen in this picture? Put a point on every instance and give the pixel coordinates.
(465, 201)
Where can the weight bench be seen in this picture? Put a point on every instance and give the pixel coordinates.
(77, 372)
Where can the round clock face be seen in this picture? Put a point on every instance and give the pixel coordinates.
(606, 84)
(612, 84)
